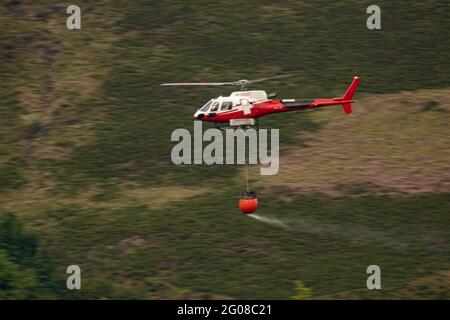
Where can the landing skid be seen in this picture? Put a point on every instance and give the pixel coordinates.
(224, 127)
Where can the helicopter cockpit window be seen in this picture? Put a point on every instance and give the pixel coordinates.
(226, 105)
(215, 106)
(206, 106)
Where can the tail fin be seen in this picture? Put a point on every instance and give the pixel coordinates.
(349, 95)
(347, 108)
(351, 89)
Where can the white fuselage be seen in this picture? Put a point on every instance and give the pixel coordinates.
(237, 101)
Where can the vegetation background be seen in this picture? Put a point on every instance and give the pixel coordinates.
(86, 176)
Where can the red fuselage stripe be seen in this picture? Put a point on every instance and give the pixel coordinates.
(271, 106)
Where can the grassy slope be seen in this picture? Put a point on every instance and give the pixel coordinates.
(85, 131)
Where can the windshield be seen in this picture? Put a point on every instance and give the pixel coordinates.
(206, 106)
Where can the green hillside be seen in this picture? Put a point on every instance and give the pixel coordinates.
(86, 176)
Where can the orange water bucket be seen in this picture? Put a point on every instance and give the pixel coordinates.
(248, 205)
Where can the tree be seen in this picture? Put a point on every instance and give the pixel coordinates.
(25, 271)
(20, 245)
(15, 282)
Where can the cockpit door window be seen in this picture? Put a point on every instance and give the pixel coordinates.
(215, 106)
(226, 105)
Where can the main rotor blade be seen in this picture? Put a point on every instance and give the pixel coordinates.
(274, 77)
(243, 83)
(193, 84)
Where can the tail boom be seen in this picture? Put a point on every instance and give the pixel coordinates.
(295, 104)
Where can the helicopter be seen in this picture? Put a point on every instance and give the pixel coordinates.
(243, 108)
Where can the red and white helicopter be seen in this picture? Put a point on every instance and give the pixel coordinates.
(243, 108)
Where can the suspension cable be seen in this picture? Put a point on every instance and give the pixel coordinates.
(246, 176)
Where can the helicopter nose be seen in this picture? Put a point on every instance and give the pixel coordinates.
(200, 116)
